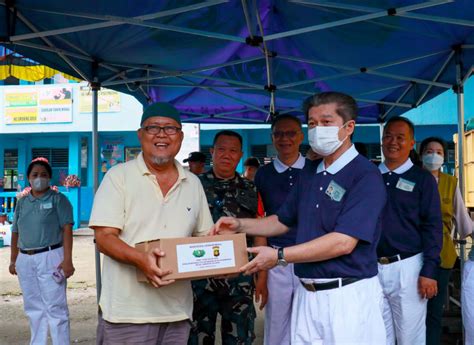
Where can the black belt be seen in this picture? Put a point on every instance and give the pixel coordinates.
(40, 250)
(385, 260)
(313, 287)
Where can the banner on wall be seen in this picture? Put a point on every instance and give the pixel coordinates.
(111, 153)
(109, 100)
(38, 105)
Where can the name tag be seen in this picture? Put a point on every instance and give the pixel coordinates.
(335, 191)
(405, 185)
(46, 206)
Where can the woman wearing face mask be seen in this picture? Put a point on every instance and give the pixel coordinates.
(432, 151)
(41, 255)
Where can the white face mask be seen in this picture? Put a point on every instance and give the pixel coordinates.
(324, 140)
(432, 161)
(39, 184)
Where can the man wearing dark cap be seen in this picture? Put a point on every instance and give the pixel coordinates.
(196, 161)
(147, 198)
(251, 166)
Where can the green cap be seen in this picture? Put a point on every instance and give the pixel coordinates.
(161, 109)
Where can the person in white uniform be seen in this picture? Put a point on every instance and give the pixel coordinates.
(41, 255)
(411, 238)
(274, 182)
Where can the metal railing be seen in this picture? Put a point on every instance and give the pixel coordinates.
(7, 204)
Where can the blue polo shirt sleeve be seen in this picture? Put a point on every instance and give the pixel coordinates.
(362, 208)
(431, 227)
(288, 211)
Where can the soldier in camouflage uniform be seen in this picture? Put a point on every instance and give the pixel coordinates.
(227, 194)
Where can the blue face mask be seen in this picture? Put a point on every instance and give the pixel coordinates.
(432, 161)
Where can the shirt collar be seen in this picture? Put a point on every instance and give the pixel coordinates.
(43, 197)
(281, 167)
(145, 171)
(339, 163)
(400, 170)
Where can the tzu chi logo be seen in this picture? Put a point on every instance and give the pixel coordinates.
(216, 251)
(198, 253)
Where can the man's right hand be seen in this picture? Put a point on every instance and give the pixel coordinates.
(226, 225)
(148, 265)
(12, 268)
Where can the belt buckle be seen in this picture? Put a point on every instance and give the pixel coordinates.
(384, 260)
(30, 252)
(309, 287)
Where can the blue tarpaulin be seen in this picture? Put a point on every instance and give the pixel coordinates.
(246, 61)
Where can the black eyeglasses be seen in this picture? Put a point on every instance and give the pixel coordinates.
(169, 130)
(281, 134)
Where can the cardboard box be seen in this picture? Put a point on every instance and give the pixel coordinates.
(198, 257)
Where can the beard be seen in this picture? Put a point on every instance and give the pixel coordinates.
(161, 160)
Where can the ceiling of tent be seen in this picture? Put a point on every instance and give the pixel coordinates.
(245, 61)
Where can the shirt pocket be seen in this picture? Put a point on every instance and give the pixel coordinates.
(330, 211)
(48, 216)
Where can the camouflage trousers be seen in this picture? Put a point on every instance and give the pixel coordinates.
(233, 300)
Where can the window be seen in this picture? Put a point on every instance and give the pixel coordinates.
(10, 173)
(58, 159)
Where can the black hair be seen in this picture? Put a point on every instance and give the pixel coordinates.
(229, 134)
(252, 162)
(43, 164)
(286, 117)
(410, 124)
(346, 105)
(440, 141)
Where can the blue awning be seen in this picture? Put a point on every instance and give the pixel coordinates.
(245, 61)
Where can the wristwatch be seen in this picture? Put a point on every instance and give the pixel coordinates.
(281, 258)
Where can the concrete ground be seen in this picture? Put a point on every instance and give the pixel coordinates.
(14, 329)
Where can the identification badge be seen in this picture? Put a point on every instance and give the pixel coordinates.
(46, 205)
(405, 185)
(334, 191)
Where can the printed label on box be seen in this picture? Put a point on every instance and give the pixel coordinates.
(205, 256)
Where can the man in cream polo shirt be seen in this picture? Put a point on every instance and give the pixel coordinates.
(148, 198)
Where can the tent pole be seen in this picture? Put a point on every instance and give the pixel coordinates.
(381, 137)
(95, 174)
(459, 89)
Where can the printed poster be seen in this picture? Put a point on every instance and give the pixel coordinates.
(38, 105)
(108, 100)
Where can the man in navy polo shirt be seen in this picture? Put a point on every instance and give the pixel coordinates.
(411, 237)
(335, 209)
(274, 182)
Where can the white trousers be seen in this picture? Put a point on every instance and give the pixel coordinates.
(282, 284)
(467, 301)
(404, 309)
(350, 315)
(44, 300)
